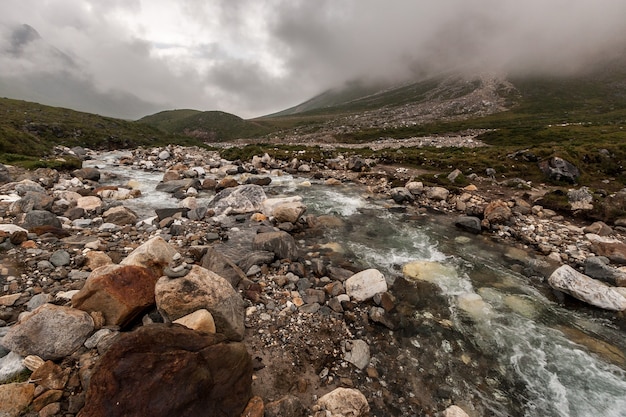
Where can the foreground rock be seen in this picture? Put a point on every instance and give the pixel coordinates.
(119, 292)
(51, 332)
(586, 289)
(168, 370)
(343, 402)
(366, 284)
(202, 289)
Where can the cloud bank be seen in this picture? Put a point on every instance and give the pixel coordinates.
(129, 58)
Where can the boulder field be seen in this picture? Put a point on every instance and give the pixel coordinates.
(231, 308)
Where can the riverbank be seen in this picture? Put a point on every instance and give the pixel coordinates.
(307, 334)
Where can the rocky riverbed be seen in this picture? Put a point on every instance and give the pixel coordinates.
(268, 315)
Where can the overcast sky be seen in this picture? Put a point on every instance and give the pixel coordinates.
(129, 58)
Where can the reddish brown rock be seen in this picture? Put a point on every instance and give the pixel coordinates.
(51, 376)
(46, 398)
(255, 408)
(15, 398)
(497, 212)
(168, 370)
(119, 292)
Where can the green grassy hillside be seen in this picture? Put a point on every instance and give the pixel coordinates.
(212, 126)
(33, 129)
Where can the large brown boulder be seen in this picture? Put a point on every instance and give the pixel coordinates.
(119, 292)
(169, 370)
(202, 289)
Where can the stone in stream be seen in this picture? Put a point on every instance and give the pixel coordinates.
(365, 284)
(599, 267)
(428, 271)
(169, 370)
(202, 289)
(120, 292)
(270, 204)
(344, 402)
(584, 288)
(401, 195)
(243, 199)
(289, 212)
(91, 174)
(51, 332)
(175, 186)
(469, 224)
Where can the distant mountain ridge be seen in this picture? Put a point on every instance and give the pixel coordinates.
(211, 126)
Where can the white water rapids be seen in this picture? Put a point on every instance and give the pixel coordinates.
(496, 308)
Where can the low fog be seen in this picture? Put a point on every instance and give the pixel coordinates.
(129, 58)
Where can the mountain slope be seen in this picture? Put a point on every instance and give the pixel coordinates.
(214, 126)
(34, 129)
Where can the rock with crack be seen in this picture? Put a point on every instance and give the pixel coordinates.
(584, 288)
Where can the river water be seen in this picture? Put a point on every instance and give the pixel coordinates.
(560, 361)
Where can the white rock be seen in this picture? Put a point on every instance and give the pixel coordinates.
(11, 228)
(365, 284)
(269, 204)
(10, 366)
(66, 295)
(584, 288)
(344, 402)
(454, 411)
(200, 321)
(357, 353)
(89, 203)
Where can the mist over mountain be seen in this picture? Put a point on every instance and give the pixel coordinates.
(34, 70)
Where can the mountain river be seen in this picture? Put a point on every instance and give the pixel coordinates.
(556, 360)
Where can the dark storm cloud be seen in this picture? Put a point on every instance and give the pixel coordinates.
(253, 57)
